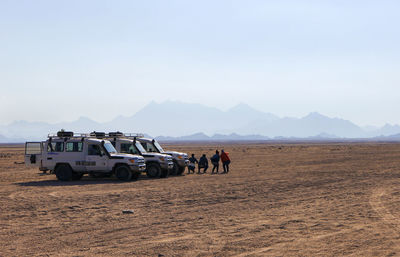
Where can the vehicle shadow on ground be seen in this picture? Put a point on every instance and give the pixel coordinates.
(84, 181)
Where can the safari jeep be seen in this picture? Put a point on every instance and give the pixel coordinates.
(157, 164)
(180, 159)
(70, 157)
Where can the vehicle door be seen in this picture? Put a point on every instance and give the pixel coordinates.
(33, 154)
(74, 153)
(96, 158)
(54, 153)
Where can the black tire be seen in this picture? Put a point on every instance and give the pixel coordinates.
(77, 175)
(63, 172)
(135, 175)
(164, 173)
(123, 173)
(175, 169)
(181, 170)
(153, 170)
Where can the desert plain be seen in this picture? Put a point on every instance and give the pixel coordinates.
(321, 199)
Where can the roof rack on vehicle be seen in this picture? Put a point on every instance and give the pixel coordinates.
(98, 134)
(67, 134)
(95, 134)
(116, 134)
(133, 135)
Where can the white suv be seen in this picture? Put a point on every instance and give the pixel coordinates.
(70, 157)
(181, 160)
(157, 164)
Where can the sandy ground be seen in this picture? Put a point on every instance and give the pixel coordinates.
(278, 200)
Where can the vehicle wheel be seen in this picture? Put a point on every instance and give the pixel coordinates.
(153, 170)
(164, 173)
(175, 169)
(63, 172)
(123, 173)
(77, 175)
(135, 175)
(181, 170)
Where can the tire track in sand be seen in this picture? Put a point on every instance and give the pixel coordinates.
(262, 251)
(391, 221)
(378, 206)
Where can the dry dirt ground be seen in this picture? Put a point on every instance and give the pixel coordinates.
(278, 200)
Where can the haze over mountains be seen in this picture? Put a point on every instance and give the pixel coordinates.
(183, 121)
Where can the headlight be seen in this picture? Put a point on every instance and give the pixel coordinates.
(132, 160)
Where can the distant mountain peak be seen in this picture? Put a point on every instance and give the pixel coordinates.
(241, 107)
(83, 118)
(388, 125)
(315, 115)
(175, 118)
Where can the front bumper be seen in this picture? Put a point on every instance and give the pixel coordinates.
(138, 168)
(182, 162)
(167, 166)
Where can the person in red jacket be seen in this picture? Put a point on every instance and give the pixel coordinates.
(225, 161)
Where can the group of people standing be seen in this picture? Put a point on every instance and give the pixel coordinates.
(203, 162)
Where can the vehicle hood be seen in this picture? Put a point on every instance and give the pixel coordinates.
(174, 153)
(125, 155)
(155, 155)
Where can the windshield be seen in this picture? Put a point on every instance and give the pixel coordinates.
(140, 147)
(158, 146)
(109, 148)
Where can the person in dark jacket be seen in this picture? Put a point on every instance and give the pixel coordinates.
(192, 163)
(225, 161)
(203, 163)
(215, 161)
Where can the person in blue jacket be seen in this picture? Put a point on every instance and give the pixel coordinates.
(192, 163)
(203, 163)
(215, 161)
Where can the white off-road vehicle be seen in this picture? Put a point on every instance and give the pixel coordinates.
(157, 164)
(71, 156)
(180, 159)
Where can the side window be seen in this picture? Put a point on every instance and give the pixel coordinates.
(94, 150)
(150, 148)
(144, 146)
(33, 148)
(74, 147)
(55, 147)
(128, 148)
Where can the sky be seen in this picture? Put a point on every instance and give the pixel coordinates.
(60, 60)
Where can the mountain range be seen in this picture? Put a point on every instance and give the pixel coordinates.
(187, 121)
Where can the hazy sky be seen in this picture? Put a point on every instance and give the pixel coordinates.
(63, 59)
